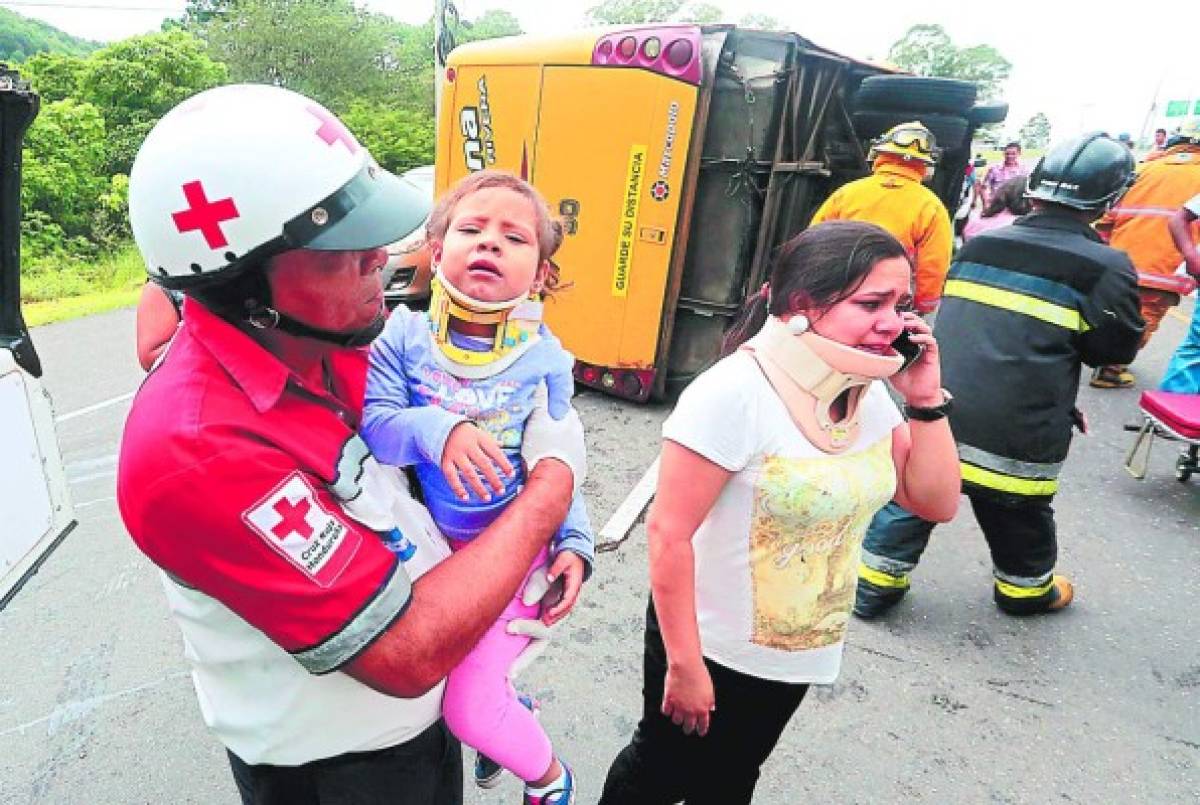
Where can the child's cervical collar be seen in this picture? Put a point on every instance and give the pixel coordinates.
(516, 323)
(810, 372)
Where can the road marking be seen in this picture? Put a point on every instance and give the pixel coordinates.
(87, 503)
(91, 409)
(77, 709)
(92, 469)
(617, 529)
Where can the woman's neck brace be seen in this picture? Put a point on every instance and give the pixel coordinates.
(810, 373)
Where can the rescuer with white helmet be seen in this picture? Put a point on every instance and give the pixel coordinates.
(320, 606)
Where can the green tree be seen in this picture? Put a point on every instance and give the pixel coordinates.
(1036, 132)
(621, 12)
(326, 49)
(21, 37)
(413, 53)
(399, 139)
(55, 76)
(145, 76)
(490, 25)
(63, 175)
(763, 22)
(927, 50)
(701, 13)
(136, 81)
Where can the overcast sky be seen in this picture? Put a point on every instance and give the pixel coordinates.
(1081, 63)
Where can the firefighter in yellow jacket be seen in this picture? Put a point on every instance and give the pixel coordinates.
(1138, 226)
(894, 198)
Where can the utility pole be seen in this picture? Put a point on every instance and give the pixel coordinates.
(445, 16)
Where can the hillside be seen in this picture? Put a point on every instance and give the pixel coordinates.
(21, 37)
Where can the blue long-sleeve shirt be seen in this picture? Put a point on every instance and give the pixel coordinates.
(412, 404)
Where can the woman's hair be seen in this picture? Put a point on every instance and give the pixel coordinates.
(1009, 196)
(824, 264)
(549, 230)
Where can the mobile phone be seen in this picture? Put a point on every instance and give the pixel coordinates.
(908, 348)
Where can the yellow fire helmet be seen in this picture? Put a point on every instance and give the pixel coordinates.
(515, 324)
(908, 140)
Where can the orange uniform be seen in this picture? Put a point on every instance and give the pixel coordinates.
(1138, 226)
(894, 198)
(1139, 220)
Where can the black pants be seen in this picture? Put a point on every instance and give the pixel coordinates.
(662, 765)
(1020, 534)
(426, 770)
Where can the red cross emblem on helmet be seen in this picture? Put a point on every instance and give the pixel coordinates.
(205, 215)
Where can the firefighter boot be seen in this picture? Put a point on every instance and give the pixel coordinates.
(1058, 594)
(1111, 377)
(872, 599)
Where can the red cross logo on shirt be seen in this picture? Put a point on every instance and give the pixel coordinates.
(205, 215)
(332, 130)
(293, 521)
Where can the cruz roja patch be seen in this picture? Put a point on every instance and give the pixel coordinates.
(292, 520)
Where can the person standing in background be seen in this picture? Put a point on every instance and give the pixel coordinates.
(894, 198)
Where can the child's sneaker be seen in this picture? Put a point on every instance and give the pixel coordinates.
(488, 771)
(562, 792)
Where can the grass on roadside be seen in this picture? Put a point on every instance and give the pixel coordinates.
(71, 290)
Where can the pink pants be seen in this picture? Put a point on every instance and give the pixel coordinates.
(480, 704)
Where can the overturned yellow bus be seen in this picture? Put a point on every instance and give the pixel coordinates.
(678, 157)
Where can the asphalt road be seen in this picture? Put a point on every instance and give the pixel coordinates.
(946, 701)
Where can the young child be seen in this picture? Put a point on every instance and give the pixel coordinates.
(448, 392)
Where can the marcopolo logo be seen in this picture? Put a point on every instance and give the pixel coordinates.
(661, 189)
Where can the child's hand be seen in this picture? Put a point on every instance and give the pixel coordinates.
(567, 571)
(468, 452)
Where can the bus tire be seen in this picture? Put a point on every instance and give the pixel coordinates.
(985, 114)
(915, 92)
(950, 130)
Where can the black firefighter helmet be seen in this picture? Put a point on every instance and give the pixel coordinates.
(1087, 173)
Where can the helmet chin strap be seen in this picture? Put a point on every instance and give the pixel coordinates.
(810, 373)
(355, 338)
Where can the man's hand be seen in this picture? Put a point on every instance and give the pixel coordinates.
(562, 439)
(566, 573)
(468, 453)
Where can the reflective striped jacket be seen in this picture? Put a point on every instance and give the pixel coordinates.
(1023, 307)
(1139, 221)
(894, 198)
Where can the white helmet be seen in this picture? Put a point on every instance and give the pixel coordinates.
(237, 174)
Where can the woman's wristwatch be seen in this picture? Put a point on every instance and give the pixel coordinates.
(934, 412)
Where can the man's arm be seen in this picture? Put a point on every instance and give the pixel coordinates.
(454, 603)
(1113, 315)
(933, 248)
(1180, 226)
(458, 600)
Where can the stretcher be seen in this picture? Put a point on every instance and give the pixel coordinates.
(1171, 416)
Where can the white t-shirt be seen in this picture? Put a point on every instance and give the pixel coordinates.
(261, 703)
(777, 556)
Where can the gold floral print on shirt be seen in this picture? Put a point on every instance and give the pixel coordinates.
(806, 529)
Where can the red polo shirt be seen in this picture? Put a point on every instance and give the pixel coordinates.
(232, 476)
